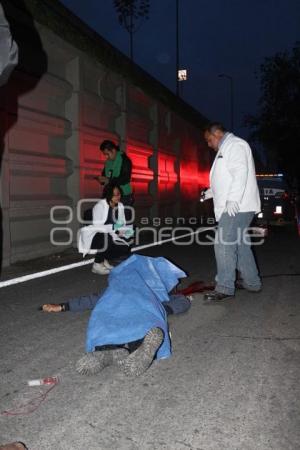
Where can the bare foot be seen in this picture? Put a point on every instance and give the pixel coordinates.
(51, 307)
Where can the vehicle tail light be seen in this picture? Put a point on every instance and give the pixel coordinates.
(285, 196)
(282, 195)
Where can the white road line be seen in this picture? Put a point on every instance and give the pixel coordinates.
(45, 273)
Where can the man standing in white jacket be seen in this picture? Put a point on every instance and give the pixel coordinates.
(235, 194)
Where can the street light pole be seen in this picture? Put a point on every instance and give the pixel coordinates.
(223, 75)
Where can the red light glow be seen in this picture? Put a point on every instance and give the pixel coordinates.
(142, 175)
(167, 177)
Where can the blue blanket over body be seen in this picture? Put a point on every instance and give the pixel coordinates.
(131, 305)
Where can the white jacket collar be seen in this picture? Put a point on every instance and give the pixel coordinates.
(225, 138)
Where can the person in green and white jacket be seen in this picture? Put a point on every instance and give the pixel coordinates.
(117, 171)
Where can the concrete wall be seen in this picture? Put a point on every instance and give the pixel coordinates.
(60, 103)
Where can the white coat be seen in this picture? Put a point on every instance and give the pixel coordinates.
(233, 178)
(100, 213)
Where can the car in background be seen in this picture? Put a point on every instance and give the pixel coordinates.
(277, 201)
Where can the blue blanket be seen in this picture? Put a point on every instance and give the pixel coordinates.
(131, 304)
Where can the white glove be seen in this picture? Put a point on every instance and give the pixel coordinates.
(205, 194)
(232, 208)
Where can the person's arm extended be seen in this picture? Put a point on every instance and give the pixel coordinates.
(77, 304)
(125, 173)
(177, 304)
(83, 303)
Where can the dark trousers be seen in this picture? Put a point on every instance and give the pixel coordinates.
(108, 249)
(128, 200)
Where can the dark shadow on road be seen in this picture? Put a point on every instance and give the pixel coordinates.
(32, 65)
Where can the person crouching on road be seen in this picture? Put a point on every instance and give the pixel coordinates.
(105, 234)
(235, 194)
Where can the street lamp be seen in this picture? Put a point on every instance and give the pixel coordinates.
(182, 76)
(223, 75)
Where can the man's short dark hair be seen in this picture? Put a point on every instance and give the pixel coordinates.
(109, 145)
(211, 127)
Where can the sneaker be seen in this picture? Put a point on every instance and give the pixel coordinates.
(107, 265)
(93, 362)
(139, 361)
(100, 269)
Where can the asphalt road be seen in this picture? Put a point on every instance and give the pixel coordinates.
(232, 382)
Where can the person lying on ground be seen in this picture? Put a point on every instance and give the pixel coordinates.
(128, 325)
(177, 304)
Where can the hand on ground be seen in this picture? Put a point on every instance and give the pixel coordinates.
(51, 307)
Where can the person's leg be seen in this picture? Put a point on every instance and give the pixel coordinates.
(100, 242)
(246, 264)
(140, 360)
(135, 364)
(117, 250)
(134, 345)
(178, 304)
(226, 239)
(108, 249)
(93, 362)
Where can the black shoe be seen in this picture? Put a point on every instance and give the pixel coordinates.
(216, 296)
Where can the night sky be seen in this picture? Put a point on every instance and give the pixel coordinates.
(219, 36)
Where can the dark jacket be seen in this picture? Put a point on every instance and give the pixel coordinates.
(125, 174)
